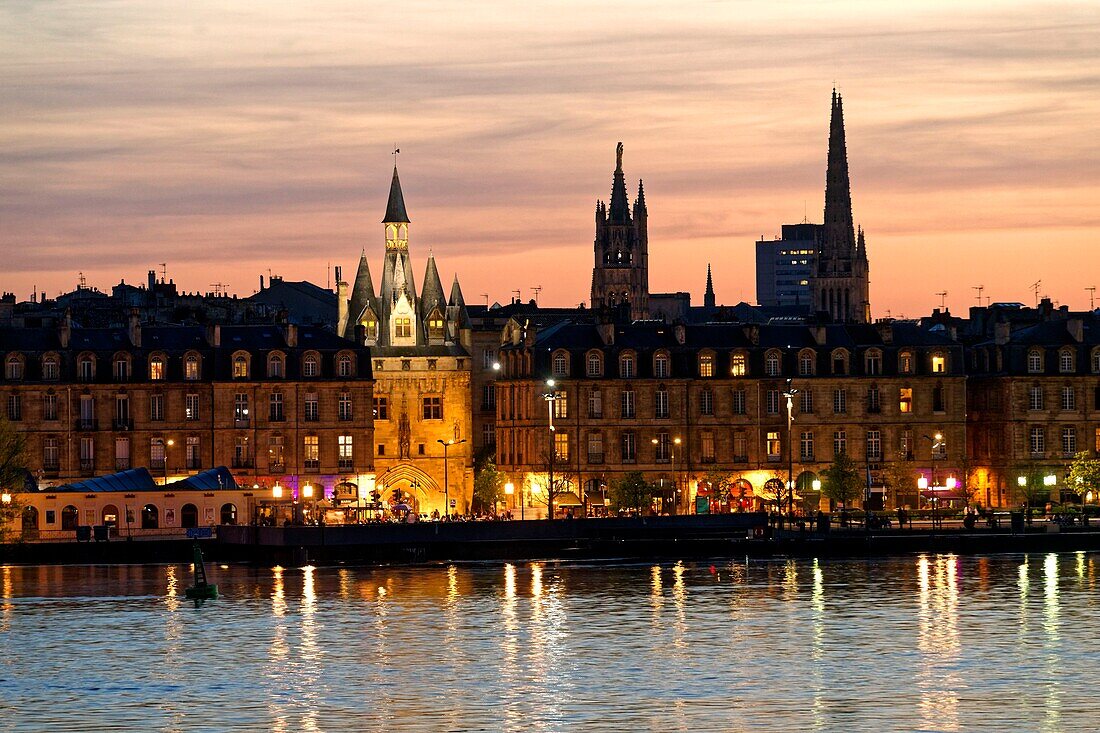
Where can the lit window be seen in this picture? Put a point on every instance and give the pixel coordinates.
(939, 363)
(905, 399)
(706, 365)
(402, 327)
(191, 369)
(905, 362)
(240, 367)
(737, 365)
(774, 446)
(156, 368)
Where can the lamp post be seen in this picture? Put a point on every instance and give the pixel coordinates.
(167, 444)
(446, 487)
(510, 491)
(551, 397)
(307, 493)
(936, 442)
(789, 394)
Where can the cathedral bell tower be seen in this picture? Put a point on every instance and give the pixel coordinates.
(620, 276)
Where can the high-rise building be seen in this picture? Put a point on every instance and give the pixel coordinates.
(784, 266)
(620, 277)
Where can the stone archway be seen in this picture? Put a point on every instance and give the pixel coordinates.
(425, 493)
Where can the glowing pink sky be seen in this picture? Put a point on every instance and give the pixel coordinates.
(229, 141)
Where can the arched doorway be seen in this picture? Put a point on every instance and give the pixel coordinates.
(189, 516)
(416, 489)
(110, 519)
(30, 521)
(70, 518)
(229, 514)
(150, 517)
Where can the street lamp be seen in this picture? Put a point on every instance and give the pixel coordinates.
(789, 394)
(167, 444)
(551, 397)
(446, 487)
(510, 490)
(5, 498)
(307, 493)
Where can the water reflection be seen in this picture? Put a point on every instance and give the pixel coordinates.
(934, 642)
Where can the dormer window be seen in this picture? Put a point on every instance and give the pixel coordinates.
(85, 368)
(344, 365)
(13, 369)
(1034, 362)
(772, 364)
(806, 364)
(311, 365)
(840, 362)
(560, 364)
(275, 366)
(706, 365)
(872, 362)
(120, 368)
(626, 366)
(661, 366)
(240, 366)
(905, 362)
(939, 363)
(51, 368)
(192, 367)
(402, 327)
(594, 365)
(737, 365)
(1065, 361)
(156, 368)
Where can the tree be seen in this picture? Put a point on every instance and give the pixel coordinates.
(900, 477)
(1084, 475)
(13, 472)
(721, 483)
(1031, 487)
(631, 491)
(842, 481)
(488, 486)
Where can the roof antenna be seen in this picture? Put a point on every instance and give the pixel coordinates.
(1092, 297)
(1035, 286)
(517, 296)
(537, 288)
(943, 299)
(979, 288)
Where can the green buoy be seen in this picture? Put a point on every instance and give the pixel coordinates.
(201, 590)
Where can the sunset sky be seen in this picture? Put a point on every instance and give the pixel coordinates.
(227, 139)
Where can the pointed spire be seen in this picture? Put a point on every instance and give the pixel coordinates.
(395, 208)
(861, 245)
(432, 295)
(620, 207)
(839, 232)
(457, 307)
(708, 297)
(639, 203)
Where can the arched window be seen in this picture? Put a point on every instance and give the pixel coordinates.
(807, 363)
(13, 368)
(192, 367)
(189, 516)
(229, 514)
(626, 366)
(344, 365)
(311, 365)
(905, 362)
(840, 361)
(661, 365)
(70, 518)
(85, 367)
(706, 365)
(1065, 361)
(51, 367)
(560, 365)
(772, 364)
(156, 367)
(120, 367)
(738, 365)
(150, 517)
(872, 362)
(275, 366)
(240, 366)
(594, 364)
(1034, 362)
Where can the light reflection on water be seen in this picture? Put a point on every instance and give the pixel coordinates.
(935, 642)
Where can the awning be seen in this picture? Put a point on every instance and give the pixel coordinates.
(568, 499)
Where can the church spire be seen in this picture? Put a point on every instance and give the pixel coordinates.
(620, 207)
(840, 240)
(708, 297)
(395, 207)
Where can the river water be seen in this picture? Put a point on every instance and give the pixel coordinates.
(934, 642)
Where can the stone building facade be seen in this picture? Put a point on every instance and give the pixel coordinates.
(285, 405)
(420, 346)
(680, 403)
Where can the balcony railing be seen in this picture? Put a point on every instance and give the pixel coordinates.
(123, 423)
(86, 423)
(87, 466)
(122, 464)
(311, 464)
(774, 458)
(277, 417)
(242, 463)
(276, 466)
(595, 457)
(345, 464)
(241, 422)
